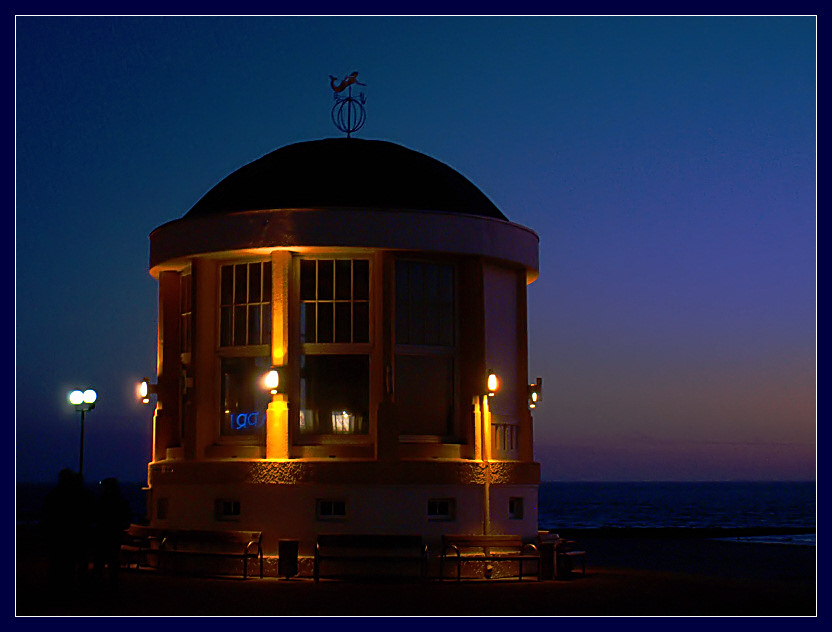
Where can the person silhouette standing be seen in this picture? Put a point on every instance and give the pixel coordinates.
(66, 528)
(112, 518)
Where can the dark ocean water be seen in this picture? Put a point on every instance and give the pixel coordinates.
(753, 506)
(564, 506)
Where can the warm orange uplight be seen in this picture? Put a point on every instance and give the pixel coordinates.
(492, 383)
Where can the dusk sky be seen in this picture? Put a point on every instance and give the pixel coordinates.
(668, 165)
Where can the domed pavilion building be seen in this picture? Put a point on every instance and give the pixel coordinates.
(383, 287)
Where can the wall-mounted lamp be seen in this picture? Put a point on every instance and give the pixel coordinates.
(492, 383)
(146, 389)
(275, 380)
(536, 393)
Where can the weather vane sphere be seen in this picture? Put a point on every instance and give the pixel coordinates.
(348, 113)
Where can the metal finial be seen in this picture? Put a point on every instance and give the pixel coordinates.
(348, 113)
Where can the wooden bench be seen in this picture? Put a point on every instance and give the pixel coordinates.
(368, 548)
(138, 541)
(244, 545)
(486, 548)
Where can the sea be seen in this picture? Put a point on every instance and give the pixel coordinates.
(763, 512)
(766, 512)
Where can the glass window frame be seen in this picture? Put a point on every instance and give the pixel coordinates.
(451, 352)
(263, 350)
(370, 349)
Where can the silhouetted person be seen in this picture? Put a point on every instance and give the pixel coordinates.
(66, 528)
(112, 518)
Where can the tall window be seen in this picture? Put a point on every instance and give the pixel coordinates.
(185, 312)
(245, 335)
(335, 300)
(245, 304)
(335, 334)
(425, 347)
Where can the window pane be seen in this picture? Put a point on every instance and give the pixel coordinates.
(267, 324)
(424, 304)
(335, 394)
(240, 283)
(343, 322)
(307, 280)
(244, 403)
(361, 322)
(431, 323)
(227, 285)
(225, 327)
(254, 325)
(240, 325)
(185, 293)
(446, 284)
(307, 323)
(254, 289)
(343, 279)
(361, 279)
(425, 394)
(431, 282)
(185, 333)
(267, 282)
(325, 279)
(416, 283)
(402, 303)
(325, 322)
(446, 325)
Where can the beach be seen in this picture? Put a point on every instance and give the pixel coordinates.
(625, 577)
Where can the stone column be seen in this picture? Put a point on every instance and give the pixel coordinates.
(277, 416)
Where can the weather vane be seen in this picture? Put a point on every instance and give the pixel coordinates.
(348, 113)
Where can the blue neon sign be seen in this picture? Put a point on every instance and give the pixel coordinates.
(247, 421)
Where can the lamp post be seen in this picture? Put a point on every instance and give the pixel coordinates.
(83, 401)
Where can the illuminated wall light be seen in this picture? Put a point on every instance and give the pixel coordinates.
(535, 393)
(274, 380)
(492, 383)
(145, 390)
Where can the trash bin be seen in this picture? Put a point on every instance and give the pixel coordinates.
(547, 560)
(287, 558)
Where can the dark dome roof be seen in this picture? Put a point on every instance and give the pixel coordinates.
(345, 172)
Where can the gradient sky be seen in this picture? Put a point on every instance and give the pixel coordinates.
(667, 164)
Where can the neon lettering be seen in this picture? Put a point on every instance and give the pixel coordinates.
(243, 421)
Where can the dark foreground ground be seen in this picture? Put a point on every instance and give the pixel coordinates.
(624, 577)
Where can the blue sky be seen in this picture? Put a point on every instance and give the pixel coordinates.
(668, 165)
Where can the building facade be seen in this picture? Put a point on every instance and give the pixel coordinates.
(383, 287)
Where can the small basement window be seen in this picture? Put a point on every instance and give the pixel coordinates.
(226, 509)
(515, 508)
(441, 509)
(331, 509)
(162, 508)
